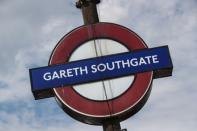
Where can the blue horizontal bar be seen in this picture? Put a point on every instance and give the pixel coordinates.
(100, 68)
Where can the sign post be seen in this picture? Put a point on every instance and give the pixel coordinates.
(89, 11)
(90, 16)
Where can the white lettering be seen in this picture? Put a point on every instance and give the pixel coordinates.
(148, 59)
(118, 63)
(69, 73)
(112, 66)
(155, 59)
(94, 69)
(125, 63)
(47, 76)
(55, 75)
(76, 70)
(134, 62)
(101, 67)
(142, 61)
(62, 73)
(83, 70)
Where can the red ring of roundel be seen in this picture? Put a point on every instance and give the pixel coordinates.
(87, 107)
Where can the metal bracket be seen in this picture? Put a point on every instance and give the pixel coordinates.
(81, 3)
(123, 130)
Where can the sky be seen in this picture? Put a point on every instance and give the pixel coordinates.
(30, 29)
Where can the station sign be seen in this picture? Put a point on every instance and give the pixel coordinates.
(61, 76)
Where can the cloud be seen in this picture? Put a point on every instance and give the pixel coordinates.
(29, 32)
(112, 11)
(40, 115)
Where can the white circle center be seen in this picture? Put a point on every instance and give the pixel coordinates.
(107, 89)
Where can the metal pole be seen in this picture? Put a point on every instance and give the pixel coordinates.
(89, 10)
(111, 125)
(90, 16)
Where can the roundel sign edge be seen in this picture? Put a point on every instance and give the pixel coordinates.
(94, 112)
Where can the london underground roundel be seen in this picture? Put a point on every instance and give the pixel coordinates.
(117, 98)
